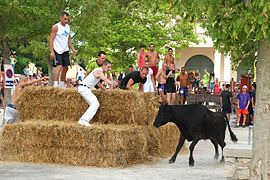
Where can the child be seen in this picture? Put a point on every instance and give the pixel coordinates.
(243, 100)
(11, 114)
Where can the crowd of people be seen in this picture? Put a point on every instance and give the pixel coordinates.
(148, 78)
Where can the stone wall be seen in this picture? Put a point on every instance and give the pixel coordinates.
(237, 161)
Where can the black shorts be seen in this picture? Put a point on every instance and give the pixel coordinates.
(227, 109)
(62, 59)
(170, 88)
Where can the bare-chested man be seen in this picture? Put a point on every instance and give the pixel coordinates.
(183, 79)
(169, 59)
(11, 113)
(153, 59)
(161, 78)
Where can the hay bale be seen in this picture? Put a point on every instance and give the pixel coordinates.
(55, 142)
(100, 145)
(67, 105)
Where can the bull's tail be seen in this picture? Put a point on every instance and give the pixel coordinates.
(233, 136)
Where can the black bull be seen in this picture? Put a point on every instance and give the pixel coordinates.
(195, 122)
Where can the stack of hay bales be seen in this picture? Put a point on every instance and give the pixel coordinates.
(122, 133)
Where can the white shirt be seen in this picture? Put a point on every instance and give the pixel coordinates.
(149, 76)
(91, 80)
(60, 42)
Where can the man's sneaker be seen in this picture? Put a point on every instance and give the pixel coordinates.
(84, 123)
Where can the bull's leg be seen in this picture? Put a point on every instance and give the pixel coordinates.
(179, 146)
(191, 148)
(216, 148)
(222, 145)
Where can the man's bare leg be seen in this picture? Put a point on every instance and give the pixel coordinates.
(63, 76)
(56, 75)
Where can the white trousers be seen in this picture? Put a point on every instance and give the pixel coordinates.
(10, 115)
(148, 87)
(92, 100)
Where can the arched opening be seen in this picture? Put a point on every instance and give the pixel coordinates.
(200, 62)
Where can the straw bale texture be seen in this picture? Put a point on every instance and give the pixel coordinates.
(100, 145)
(67, 105)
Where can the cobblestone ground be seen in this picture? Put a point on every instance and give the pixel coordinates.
(205, 167)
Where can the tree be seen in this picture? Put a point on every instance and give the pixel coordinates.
(237, 27)
(121, 26)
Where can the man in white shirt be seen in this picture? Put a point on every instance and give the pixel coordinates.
(85, 90)
(149, 85)
(60, 42)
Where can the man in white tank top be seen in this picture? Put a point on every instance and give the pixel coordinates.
(60, 42)
(149, 85)
(85, 90)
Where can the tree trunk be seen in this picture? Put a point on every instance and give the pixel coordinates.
(5, 55)
(261, 140)
(50, 71)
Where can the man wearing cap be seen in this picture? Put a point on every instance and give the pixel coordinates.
(243, 100)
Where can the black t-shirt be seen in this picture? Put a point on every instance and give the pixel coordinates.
(135, 76)
(171, 78)
(226, 94)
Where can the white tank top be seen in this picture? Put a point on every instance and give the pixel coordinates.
(91, 80)
(60, 42)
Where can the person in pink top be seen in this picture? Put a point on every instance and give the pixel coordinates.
(216, 88)
(141, 57)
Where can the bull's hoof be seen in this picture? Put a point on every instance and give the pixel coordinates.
(222, 160)
(216, 157)
(191, 164)
(171, 161)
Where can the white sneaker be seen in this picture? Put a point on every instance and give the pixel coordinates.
(84, 123)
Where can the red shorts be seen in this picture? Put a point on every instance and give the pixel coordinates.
(155, 70)
(242, 111)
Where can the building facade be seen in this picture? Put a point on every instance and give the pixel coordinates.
(204, 56)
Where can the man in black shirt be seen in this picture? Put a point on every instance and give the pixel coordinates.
(226, 101)
(133, 78)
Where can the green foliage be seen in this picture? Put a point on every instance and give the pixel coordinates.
(120, 27)
(236, 27)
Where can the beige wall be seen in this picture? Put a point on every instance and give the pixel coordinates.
(183, 55)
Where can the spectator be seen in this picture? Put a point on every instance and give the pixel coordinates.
(12, 60)
(232, 83)
(242, 105)
(183, 79)
(170, 84)
(212, 81)
(160, 77)
(252, 103)
(197, 79)
(149, 85)
(134, 77)
(216, 87)
(153, 59)
(141, 57)
(169, 59)
(226, 101)
(206, 78)
(31, 69)
(191, 79)
(80, 75)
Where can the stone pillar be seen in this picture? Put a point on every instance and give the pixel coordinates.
(217, 61)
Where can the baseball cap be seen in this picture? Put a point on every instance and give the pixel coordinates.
(244, 86)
